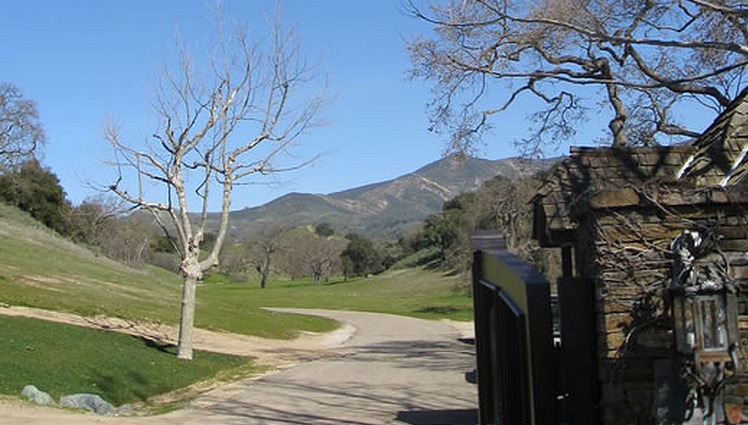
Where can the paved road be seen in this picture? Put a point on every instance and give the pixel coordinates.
(393, 370)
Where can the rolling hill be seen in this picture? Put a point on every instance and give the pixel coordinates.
(383, 209)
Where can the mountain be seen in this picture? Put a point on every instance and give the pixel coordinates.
(383, 209)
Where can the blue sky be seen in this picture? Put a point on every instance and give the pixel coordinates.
(88, 61)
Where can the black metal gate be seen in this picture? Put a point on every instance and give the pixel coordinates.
(514, 341)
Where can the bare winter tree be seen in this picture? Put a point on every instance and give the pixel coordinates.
(21, 132)
(308, 254)
(105, 223)
(218, 130)
(263, 249)
(642, 58)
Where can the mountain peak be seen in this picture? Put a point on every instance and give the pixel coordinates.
(384, 208)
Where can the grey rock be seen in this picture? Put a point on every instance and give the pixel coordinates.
(125, 409)
(37, 396)
(90, 402)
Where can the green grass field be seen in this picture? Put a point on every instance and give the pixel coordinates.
(39, 269)
(412, 292)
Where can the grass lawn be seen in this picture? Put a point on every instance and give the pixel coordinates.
(40, 269)
(63, 360)
(412, 292)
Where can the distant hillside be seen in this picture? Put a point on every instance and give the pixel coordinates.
(383, 209)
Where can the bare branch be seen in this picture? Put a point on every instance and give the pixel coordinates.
(694, 47)
(21, 132)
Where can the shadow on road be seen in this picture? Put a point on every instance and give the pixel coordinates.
(292, 401)
(425, 355)
(443, 417)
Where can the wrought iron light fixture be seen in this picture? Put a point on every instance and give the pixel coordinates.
(705, 320)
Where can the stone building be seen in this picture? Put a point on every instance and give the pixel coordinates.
(614, 213)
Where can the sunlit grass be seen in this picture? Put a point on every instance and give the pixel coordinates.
(413, 292)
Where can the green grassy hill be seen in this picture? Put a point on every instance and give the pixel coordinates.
(40, 269)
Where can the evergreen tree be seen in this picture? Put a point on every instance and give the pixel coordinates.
(360, 258)
(37, 190)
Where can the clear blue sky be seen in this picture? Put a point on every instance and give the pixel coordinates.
(87, 61)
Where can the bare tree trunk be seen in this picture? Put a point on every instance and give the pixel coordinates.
(195, 149)
(263, 279)
(265, 272)
(618, 124)
(192, 274)
(187, 320)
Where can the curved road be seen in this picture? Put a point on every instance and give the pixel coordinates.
(392, 370)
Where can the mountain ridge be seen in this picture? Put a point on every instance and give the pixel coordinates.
(383, 209)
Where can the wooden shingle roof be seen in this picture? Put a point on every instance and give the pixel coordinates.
(720, 155)
(608, 177)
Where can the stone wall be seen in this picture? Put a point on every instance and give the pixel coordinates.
(623, 243)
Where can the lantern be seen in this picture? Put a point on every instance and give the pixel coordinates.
(704, 324)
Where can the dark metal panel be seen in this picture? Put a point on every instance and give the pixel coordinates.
(514, 341)
(580, 386)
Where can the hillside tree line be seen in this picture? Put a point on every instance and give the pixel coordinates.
(315, 252)
(501, 204)
(100, 223)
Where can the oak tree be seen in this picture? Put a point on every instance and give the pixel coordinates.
(262, 251)
(36, 190)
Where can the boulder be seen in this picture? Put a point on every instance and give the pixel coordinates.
(90, 402)
(37, 396)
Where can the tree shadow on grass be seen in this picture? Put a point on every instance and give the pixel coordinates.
(439, 309)
(161, 346)
(121, 388)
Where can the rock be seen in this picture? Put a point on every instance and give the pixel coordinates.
(37, 396)
(90, 402)
(125, 409)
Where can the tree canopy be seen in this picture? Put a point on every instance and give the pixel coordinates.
(360, 257)
(21, 131)
(643, 60)
(37, 190)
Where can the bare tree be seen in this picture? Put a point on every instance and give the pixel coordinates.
(641, 58)
(218, 130)
(310, 255)
(260, 252)
(21, 132)
(129, 239)
(91, 221)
